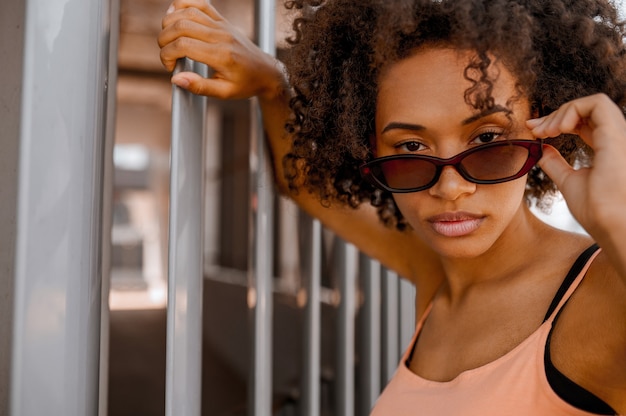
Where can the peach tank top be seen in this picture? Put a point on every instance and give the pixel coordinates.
(514, 384)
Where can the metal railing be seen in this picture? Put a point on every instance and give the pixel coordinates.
(184, 306)
(58, 326)
(261, 244)
(362, 287)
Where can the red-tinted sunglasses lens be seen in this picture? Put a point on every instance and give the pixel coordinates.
(486, 164)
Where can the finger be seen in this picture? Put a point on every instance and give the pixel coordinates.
(212, 87)
(190, 13)
(184, 29)
(564, 120)
(582, 117)
(183, 47)
(553, 164)
(213, 55)
(172, 52)
(203, 5)
(179, 48)
(534, 122)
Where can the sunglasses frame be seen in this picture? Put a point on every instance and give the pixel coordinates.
(534, 147)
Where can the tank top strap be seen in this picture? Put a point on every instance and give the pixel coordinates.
(571, 281)
(422, 319)
(408, 355)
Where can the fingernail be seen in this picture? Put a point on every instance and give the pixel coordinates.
(170, 9)
(181, 82)
(533, 122)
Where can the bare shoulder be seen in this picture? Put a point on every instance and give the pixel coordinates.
(604, 287)
(589, 341)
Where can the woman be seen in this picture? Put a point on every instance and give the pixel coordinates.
(421, 131)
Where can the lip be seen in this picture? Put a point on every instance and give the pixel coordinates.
(455, 224)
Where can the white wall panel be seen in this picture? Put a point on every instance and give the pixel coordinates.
(56, 328)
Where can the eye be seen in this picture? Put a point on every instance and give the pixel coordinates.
(411, 146)
(487, 137)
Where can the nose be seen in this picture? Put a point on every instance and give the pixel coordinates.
(451, 185)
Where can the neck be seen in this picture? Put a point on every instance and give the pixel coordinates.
(502, 261)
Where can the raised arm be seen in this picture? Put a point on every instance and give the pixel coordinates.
(194, 29)
(595, 195)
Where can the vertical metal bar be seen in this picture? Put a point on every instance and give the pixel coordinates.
(107, 211)
(369, 381)
(212, 185)
(184, 308)
(390, 325)
(313, 324)
(260, 288)
(260, 285)
(406, 296)
(57, 298)
(346, 260)
(11, 45)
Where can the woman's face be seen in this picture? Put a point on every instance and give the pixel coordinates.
(421, 109)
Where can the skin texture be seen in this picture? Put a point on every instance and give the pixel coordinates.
(494, 281)
(426, 90)
(558, 50)
(489, 263)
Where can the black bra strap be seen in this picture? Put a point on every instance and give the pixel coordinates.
(578, 265)
(562, 385)
(571, 392)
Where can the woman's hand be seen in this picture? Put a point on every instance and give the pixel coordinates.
(194, 29)
(596, 195)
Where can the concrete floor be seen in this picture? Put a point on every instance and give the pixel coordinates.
(137, 355)
(137, 370)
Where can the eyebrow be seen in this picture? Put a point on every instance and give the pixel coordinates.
(485, 113)
(402, 126)
(418, 127)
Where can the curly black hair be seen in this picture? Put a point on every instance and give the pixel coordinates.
(557, 49)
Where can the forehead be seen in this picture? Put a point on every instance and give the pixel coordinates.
(441, 76)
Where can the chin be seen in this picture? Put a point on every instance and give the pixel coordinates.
(459, 250)
(465, 247)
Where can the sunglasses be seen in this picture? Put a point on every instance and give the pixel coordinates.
(489, 163)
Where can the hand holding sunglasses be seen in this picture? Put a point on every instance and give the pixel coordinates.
(596, 196)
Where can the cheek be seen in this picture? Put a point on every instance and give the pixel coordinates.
(506, 197)
(411, 205)
(501, 206)
(501, 202)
